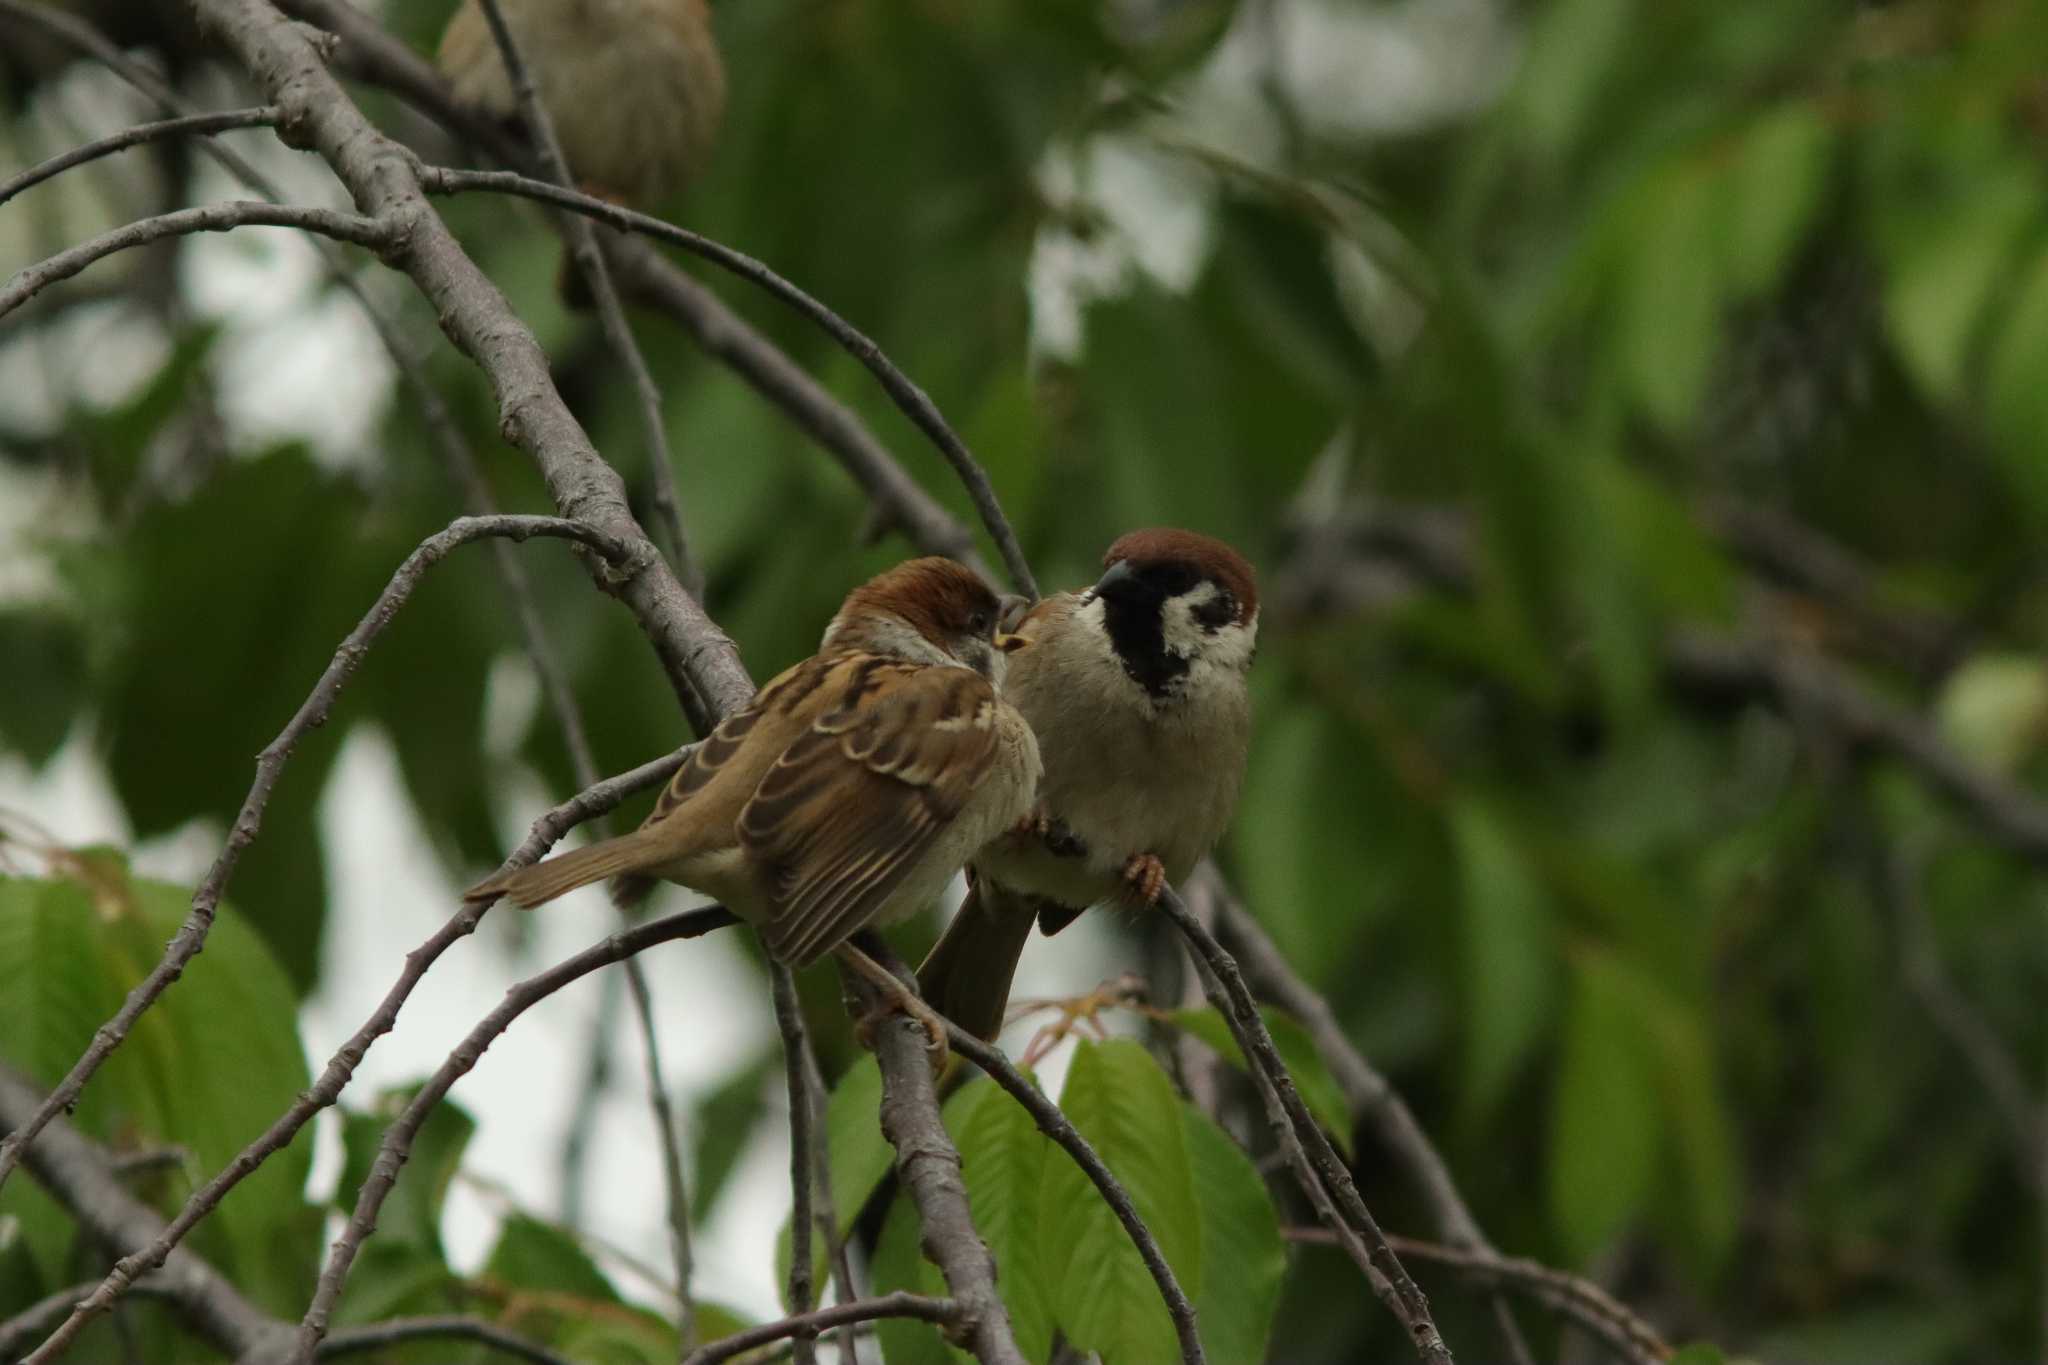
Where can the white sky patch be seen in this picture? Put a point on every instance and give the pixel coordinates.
(1391, 69)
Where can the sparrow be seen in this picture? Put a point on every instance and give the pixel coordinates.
(635, 88)
(848, 792)
(1136, 690)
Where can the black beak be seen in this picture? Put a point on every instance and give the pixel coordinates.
(1116, 576)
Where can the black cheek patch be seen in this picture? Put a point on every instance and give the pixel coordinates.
(1133, 621)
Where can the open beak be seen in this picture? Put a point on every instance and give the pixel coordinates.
(1008, 643)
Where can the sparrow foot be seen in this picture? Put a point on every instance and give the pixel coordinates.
(897, 998)
(1041, 825)
(1144, 877)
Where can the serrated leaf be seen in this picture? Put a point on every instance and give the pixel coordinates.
(1003, 1158)
(1605, 1129)
(1668, 327)
(1505, 949)
(531, 1254)
(900, 1264)
(1104, 1299)
(1319, 1089)
(860, 1156)
(1240, 1230)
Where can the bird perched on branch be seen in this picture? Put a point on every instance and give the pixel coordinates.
(635, 88)
(1136, 691)
(848, 791)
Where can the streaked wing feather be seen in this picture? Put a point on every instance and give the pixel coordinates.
(849, 809)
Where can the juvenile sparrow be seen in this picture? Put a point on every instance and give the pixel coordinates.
(1136, 691)
(848, 791)
(635, 88)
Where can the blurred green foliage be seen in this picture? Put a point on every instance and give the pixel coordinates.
(1641, 955)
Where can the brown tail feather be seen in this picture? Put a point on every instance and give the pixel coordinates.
(536, 885)
(967, 976)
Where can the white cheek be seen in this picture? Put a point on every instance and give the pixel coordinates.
(1231, 648)
(1182, 634)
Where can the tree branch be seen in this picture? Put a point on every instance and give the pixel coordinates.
(907, 396)
(611, 317)
(1578, 1299)
(344, 227)
(1371, 1097)
(676, 1196)
(202, 124)
(373, 55)
(901, 1304)
(398, 1331)
(1399, 1292)
(74, 1170)
(312, 712)
(928, 1166)
(32, 1321)
(1055, 1125)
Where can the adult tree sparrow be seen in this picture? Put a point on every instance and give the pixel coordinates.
(848, 791)
(1136, 691)
(634, 88)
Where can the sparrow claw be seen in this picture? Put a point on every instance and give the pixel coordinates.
(897, 998)
(1047, 829)
(1144, 877)
(1081, 1013)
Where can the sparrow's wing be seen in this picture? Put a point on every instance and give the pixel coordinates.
(784, 692)
(855, 802)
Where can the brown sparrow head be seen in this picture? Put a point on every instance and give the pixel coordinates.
(848, 791)
(635, 88)
(1136, 690)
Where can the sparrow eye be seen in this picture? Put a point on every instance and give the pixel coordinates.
(981, 622)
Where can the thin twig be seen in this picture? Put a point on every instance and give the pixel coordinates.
(789, 1020)
(908, 397)
(398, 1331)
(676, 1195)
(591, 263)
(270, 765)
(341, 1067)
(1401, 1295)
(396, 1145)
(1056, 1126)
(257, 117)
(1578, 1299)
(36, 1319)
(353, 228)
(827, 1214)
(1368, 1094)
(901, 1304)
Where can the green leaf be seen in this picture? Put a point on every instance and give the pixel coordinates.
(1945, 268)
(1994, 708)
(1240, 1230)
(1104, 1299)
(1668, 328)
(1571, 52)
(725, 1122)
(860, 1156)
(531, 1254)
(1319, 1089)
(1003, 1157)
(1605, 1131)
(1699, 1353)
(46, 680)
(900, 1264)
(396, 1279)
(1506, 952)
(1773, 188)
(2016, 393)
(412, 1211)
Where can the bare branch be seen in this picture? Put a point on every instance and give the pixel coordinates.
(908, 397)
(344, 227)
(789, 1020)
(1371, 1097)
(1400, 1293)
(312, 712)
(928, 1165)
(901, 1304)
(134, 137)
(36, 1319)
(375, 56)
(1055, 1125)
(676, 1196)
(1576, 1298)
(397, 1331)
(397, 1142)
(611, 317)
(74, 1170)
(827, 1218)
